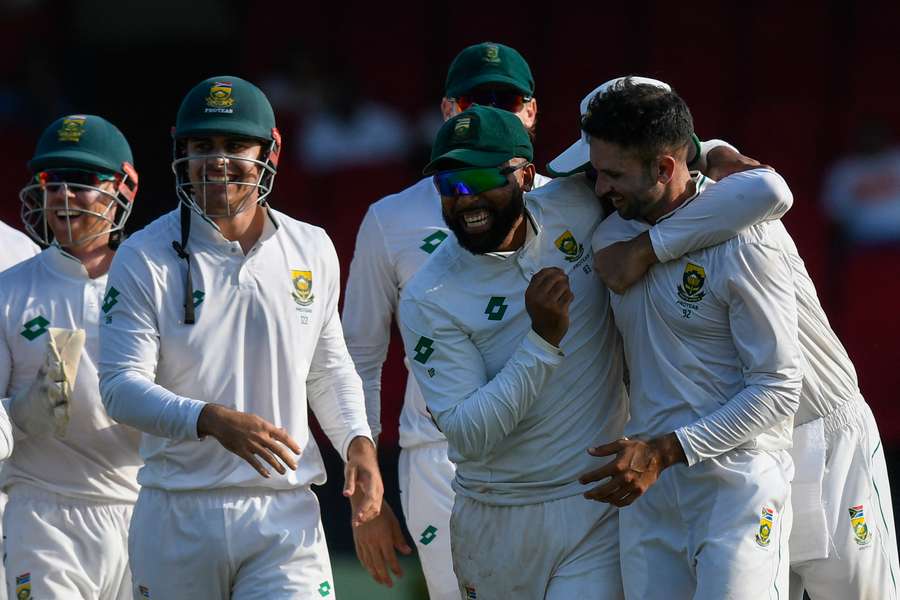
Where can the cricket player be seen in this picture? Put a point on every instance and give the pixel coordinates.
(72, 476)
(843, 542)
(486, 323)
(220, 329)
(398, 234)
(703, 475)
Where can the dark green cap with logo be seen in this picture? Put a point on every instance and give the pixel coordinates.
(83, 142)
(482, 136)
(488, 63)
(225, 105)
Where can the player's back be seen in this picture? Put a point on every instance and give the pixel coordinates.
(829, 378)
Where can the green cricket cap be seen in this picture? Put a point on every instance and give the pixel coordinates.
(482, 136)
(84, 142)
(488, 63)
(225, 105)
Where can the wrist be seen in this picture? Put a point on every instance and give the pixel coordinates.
(360, 445)
(669, 450)
(207, 418)
(645, 249)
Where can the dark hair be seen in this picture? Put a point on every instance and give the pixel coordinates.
(647, 118)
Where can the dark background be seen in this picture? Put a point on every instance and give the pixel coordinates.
(790, 85)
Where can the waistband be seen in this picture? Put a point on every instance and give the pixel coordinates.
(24, 491)
(851, 411)
(226, 493)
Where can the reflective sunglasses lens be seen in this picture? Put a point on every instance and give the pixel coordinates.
(465, 182)
(75, 176)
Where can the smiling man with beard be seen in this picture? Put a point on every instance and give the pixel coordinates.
(486, 324)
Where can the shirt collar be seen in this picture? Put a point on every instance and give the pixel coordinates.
(62, 262)
(204, 230)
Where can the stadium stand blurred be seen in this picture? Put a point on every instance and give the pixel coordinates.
(792, 85)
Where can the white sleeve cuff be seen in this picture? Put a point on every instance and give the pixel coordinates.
(659, 247)
(542, 349)
(355, 433)
(689, 453)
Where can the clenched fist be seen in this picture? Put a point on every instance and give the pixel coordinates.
(547, 301)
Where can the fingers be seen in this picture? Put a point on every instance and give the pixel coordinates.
(284, 437)
(251, 459)
(390, 559)
(283, 454)
(607, 449)
(607, 470)
(398, 540)
(350, 480)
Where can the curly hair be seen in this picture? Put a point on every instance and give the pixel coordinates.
(646, 118)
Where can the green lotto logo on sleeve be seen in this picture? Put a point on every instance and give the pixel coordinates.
(430, 243)
(324, 589)
(496, 308)
(35, 328)
(110, 299)
(428, 535)
(424, 349)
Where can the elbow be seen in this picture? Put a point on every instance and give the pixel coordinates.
(464, 437)
(781, 194)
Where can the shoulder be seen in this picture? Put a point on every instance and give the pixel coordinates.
(616, 229)
(13, 235)
(299, 229)
(428, 284)
(573, 191)
(18, 272)
(158, 234)
(417, 204)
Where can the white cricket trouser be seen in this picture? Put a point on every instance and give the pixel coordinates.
(425, 474)
(860, 539)
(239, 543)
(563, 549)
(58, 548)
(716, 530)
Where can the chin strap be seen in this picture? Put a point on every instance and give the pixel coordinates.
(181, 249)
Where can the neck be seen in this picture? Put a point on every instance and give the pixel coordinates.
(516, 237)
(246, 227)
(95, 257)
(677, 191)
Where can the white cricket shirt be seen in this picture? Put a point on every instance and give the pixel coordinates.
(398, 234)
(98, 458)
(267, 341)
(829, 378)
(711, 338)
(15, 246)
(518, 413)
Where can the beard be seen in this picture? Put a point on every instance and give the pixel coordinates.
(502, 222)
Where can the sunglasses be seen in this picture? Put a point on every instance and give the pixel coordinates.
(508, 100)
(473, 181)
(73, 176)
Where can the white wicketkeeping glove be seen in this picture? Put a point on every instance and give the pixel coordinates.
(44, 405)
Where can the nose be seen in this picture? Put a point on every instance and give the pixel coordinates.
(601, 187)
(59, 192)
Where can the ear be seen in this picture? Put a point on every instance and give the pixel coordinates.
(665, 165)
(528, 177)
(448, 108)
(529, 113)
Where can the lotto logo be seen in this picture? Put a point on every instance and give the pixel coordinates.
(430, 243)
(423, 349)
(428, 535)
(496, 308)
(34, 328)
(324, 589)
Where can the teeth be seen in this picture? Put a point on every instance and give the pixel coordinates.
(67, 213)
(476, 217)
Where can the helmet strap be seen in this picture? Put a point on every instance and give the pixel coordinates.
(181, 250)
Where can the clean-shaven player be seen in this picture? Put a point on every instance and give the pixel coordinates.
(398, 234)
(843, 542)
(72, 477)
(711, 343)
(486, 326)
(220, 329)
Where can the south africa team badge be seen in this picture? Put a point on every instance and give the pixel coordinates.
(766, 523)
(568, 245)
(692, 280)
(302, 292)
(861, 533)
